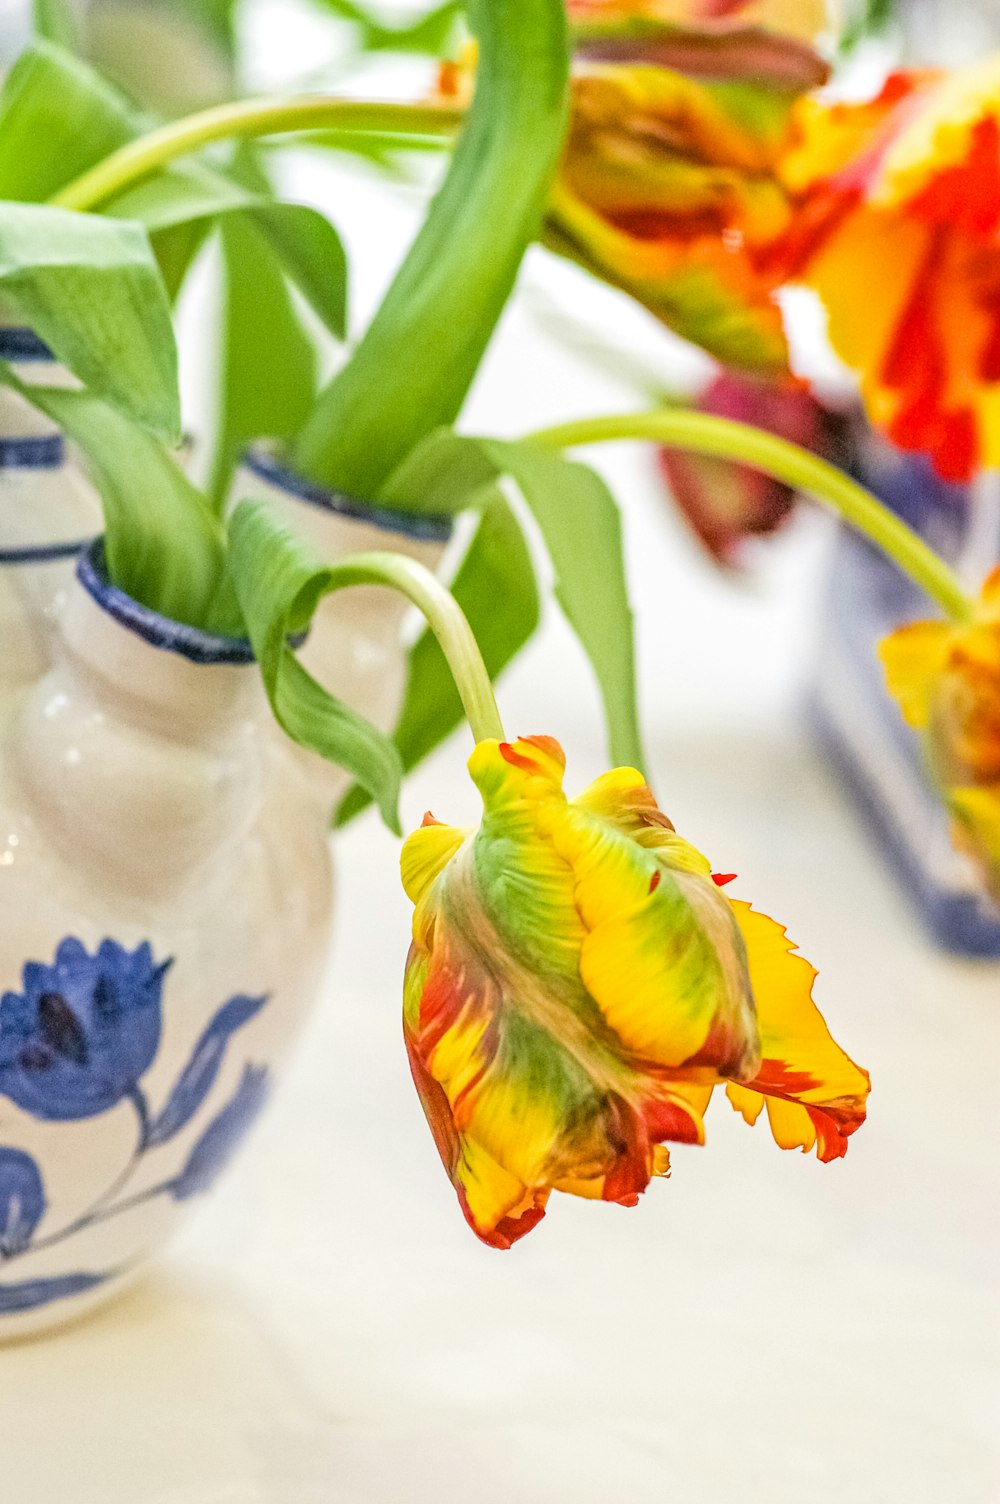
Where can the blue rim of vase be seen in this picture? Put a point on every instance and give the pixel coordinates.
(432, 527)
(20, 343)
(42, 553)
(159, 631)
(42, 451)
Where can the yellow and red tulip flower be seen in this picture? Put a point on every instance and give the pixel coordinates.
(946, 678)
(668, 187)
(668, 190)
(577, 986)
(897, 228)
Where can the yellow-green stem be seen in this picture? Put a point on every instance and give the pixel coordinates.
(723, 439)
(248, 117)
(446, 620)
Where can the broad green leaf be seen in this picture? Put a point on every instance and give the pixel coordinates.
(495, 586)
(91, 288)
(268, 362)
(54, 20)
(431, 34)
(306, 244)
(280, 582)
(581, 529)
(175, 251)
(57, 119)
(163, 545)
(268, 373)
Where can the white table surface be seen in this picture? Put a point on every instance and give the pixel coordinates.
(762, 1327)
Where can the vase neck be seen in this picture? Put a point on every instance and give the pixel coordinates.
(135, 756)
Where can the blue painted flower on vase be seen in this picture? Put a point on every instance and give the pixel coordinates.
(224, 1135)
(22, 1201)
(76, 1042)
(77, 1039)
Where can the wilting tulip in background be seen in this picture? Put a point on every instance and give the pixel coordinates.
(579, 984)
(946, 677)
(725, 503)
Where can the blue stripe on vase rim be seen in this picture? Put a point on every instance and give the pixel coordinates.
(429, 527)
(41, 451)
(43, 553)
(20, 343)
(159, 631)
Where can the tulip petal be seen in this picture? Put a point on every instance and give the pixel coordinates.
(497, 1208)
(661, 955)
(913, 658)
(426, 853)
(815, 1094)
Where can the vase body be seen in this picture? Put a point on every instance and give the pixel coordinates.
(859, 724)
(356, 648)
(166, 891)
(48, 510)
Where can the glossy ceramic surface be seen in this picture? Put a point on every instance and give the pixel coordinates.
(166, 892)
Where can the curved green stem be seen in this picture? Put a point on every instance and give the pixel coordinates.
(446, 620)
(248, 117)
(723, 439)
(412, 370)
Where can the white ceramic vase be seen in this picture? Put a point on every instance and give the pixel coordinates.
(356, 647)
(166, 895)
(48, 510)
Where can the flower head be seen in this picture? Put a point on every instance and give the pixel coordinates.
(577, 986)
(946, 678)
(83, 1031)
(668, 190)
(726, 503)
(897, 227)
(668, 187)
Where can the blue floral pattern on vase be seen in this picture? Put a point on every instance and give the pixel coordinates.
(77, 1039)
(76, 1042)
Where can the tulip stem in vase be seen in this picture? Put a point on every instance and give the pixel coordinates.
(446, 620)
(722, 438)
(244, 119)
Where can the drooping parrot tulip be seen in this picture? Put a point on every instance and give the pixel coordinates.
(897, 228)
(668, 187)
(668, 190)
(577, 986)
(946, 678)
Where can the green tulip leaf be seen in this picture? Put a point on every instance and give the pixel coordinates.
(163, 546)
(55, 21)
(581, 529)
(430, 35)
(280, 582)
(305, 243)
(58, 118)
(91, 289)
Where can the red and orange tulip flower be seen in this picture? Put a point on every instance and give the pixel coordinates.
(897, 228)
(577, 986)
(946, 678)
